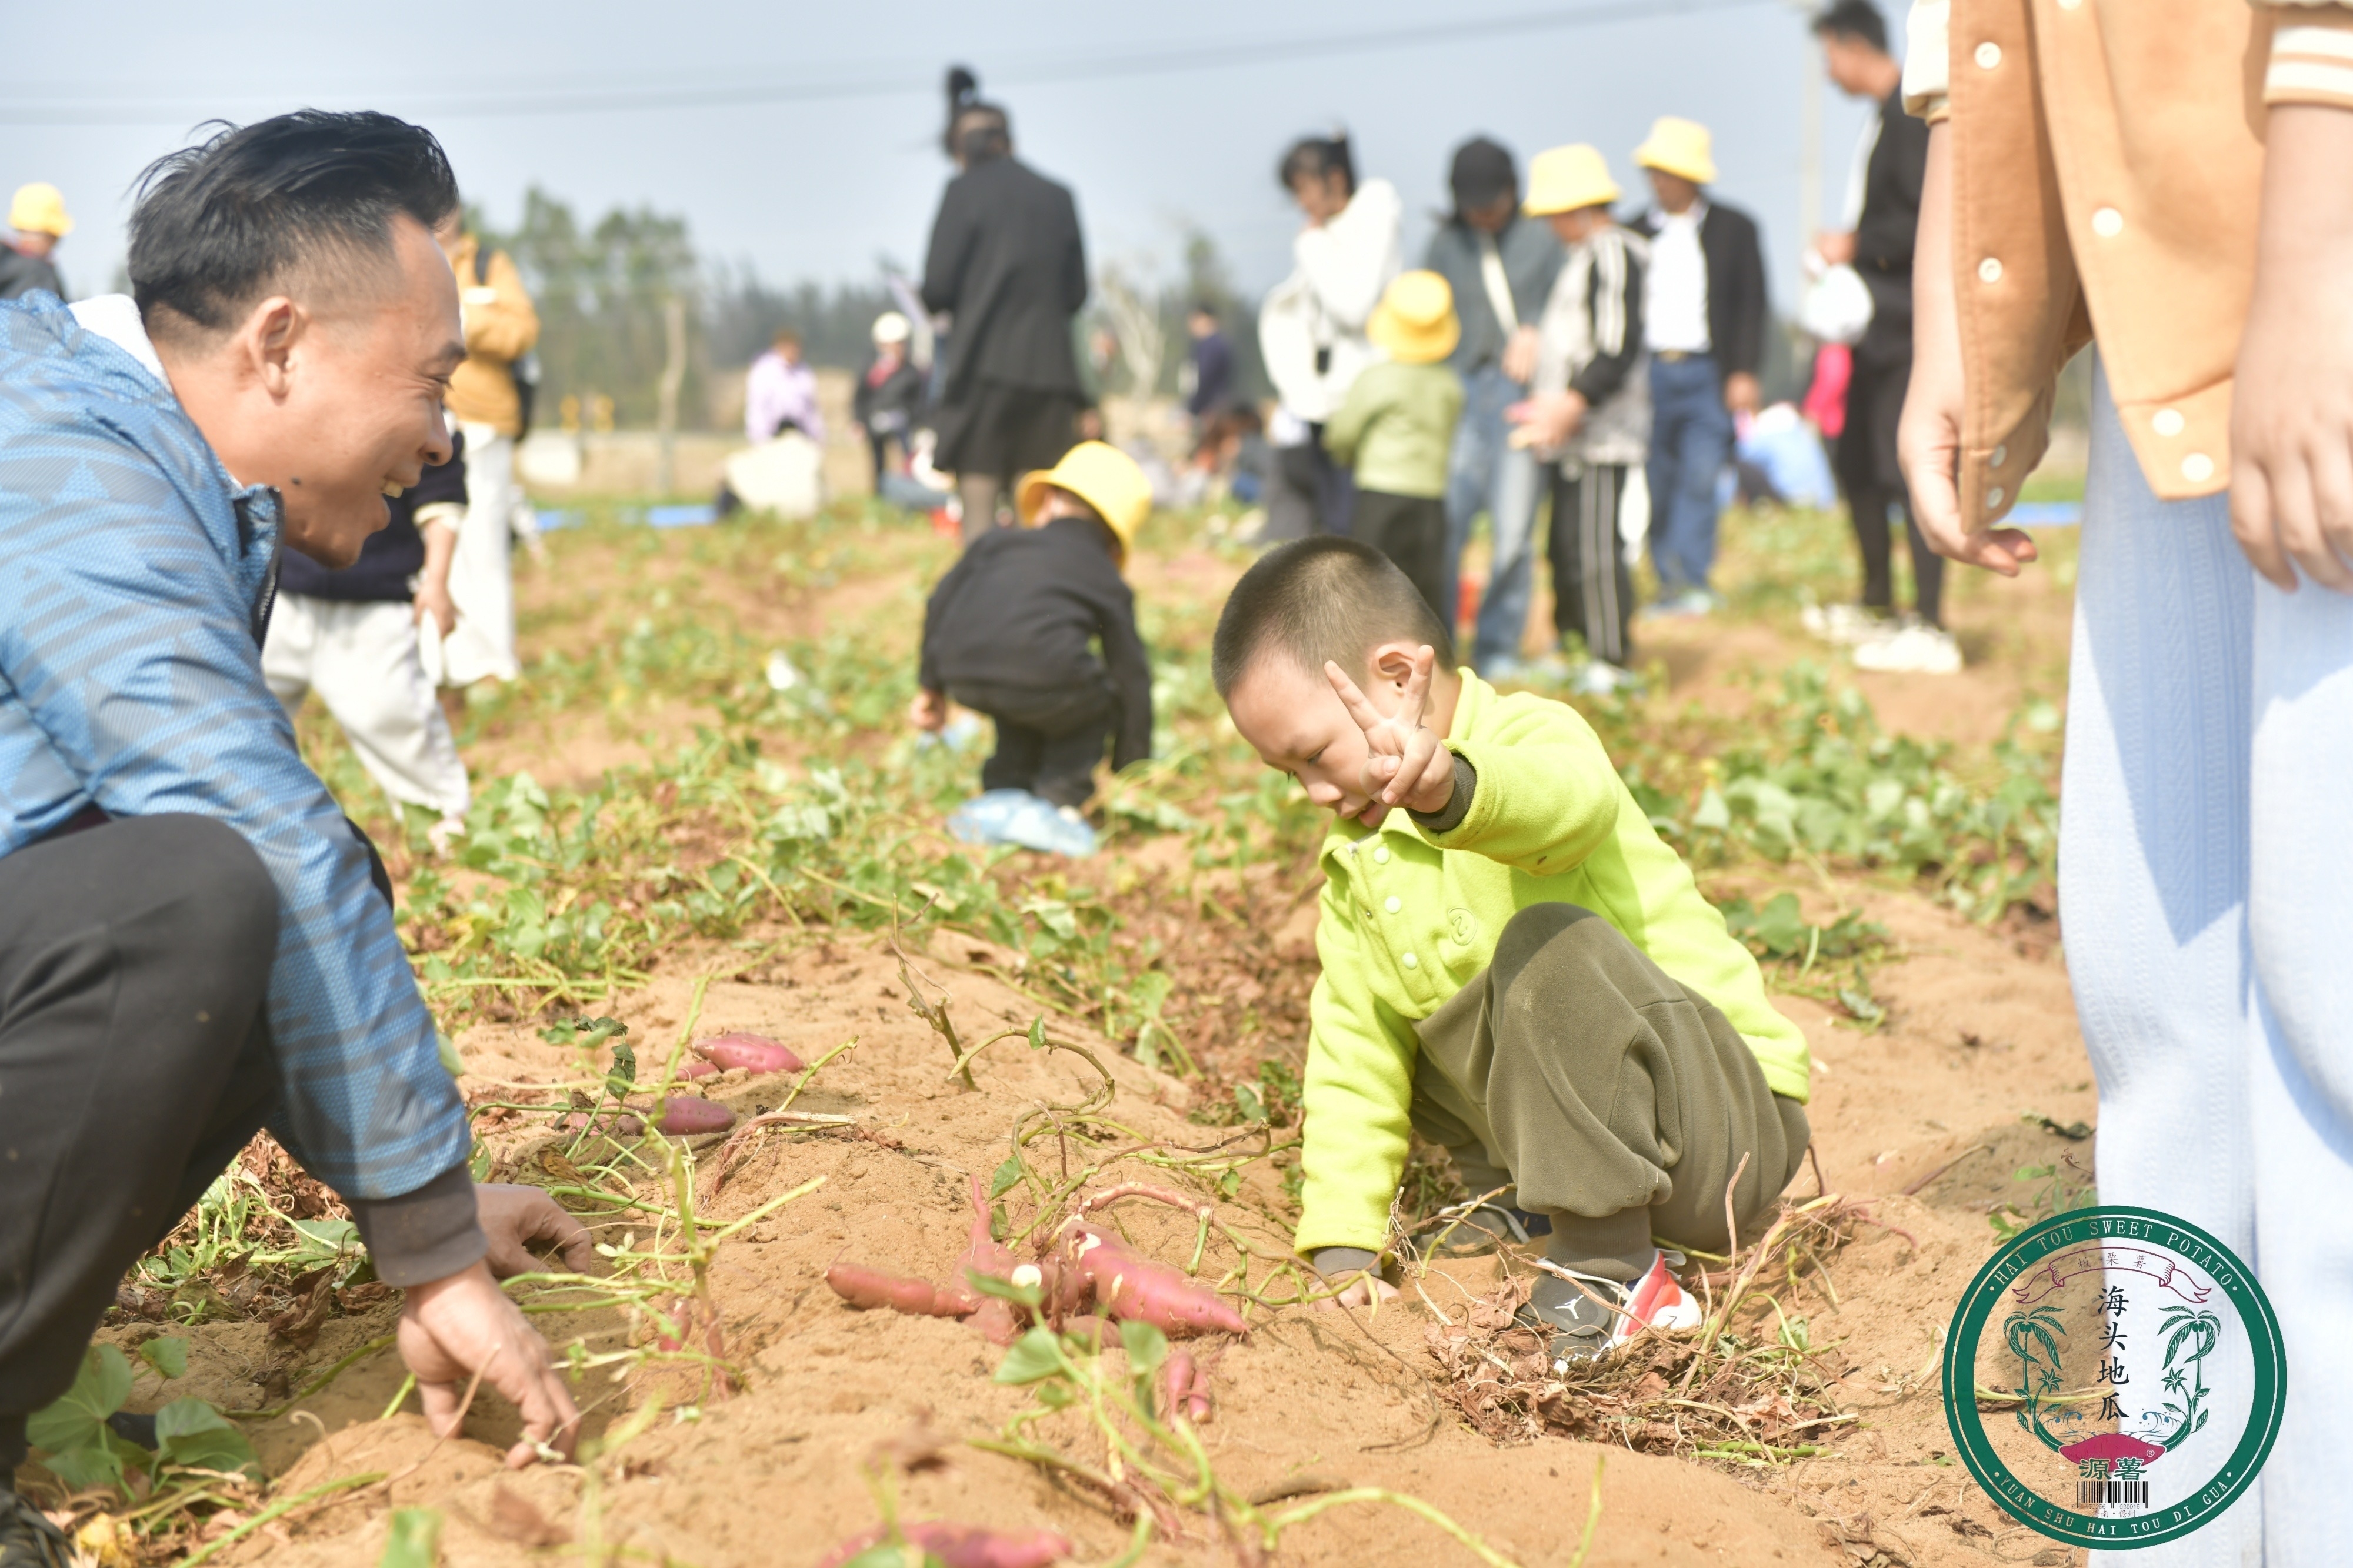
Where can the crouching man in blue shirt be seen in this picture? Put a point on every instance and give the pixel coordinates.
(194, 942)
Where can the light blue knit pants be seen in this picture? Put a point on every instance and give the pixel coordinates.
(2206, 900)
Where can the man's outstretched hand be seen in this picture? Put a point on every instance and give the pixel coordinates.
(1405, 761)
(456, 1329)
(518, 1221)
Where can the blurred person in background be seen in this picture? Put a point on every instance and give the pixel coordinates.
(780, 392)
(488, 400)
(1589, 419)
(1501, 265)
(889, 395)
(1311, 328)
(351, 637)
(1704, 319)
(1394, 430)
(1208, 367)
(1009, 264)
(1878, 247)
(37, 221)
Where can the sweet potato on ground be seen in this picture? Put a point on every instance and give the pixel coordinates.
(1184, 1388)
(963, 1545)
(685, 1115)
(868, 1288)
(1129, 1286)
(753, 1053)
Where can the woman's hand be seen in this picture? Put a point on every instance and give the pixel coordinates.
(1546, 420)
(929, 710)
(1928, 441)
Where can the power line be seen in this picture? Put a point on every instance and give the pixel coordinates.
(126, 108)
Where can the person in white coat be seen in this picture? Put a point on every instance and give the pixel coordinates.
(1312, 325)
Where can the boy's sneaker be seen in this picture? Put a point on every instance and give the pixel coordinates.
(1684, 606)
(27, 1539)
(1846, 626)
(1481, 1228)
(1017, 816)
(1584, 1329)
(1914, 649)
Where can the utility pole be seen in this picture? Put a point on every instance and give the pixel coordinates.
(1809, 133)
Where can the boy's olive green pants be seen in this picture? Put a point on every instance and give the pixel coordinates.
(1617, 1101)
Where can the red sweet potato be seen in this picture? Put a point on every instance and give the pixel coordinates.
(753, 1053)
(963, 1545)
(683, 1115)
(867, 1288)
(1184, 1388)
(692, 1070)
(1129, 1286)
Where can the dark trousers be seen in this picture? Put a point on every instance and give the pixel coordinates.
(134, 1064)
(1411, 531)
(1874, 481)
(1690, 441)
(1618, 1102)
(1592, 591)
(1309, 468)
(1048, 740)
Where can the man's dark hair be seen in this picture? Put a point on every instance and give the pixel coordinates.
(1857, 19)
(1317, 599)
(216, 224)
(1317, 158)
(977, 131)
(1483, 175)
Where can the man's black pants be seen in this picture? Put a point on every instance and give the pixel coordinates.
(134, 1064)
(1874, 481)
(1592, 589)
(1048, 740)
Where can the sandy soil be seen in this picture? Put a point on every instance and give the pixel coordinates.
(1925, 1118)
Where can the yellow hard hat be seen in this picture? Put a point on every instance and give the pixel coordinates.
(1679, 146)
(39, 208)
(1099, 474)
(1414, 320)
(1563, 179)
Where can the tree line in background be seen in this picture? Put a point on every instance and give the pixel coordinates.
(604, 289)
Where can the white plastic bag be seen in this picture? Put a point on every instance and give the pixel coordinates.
(1837, 306)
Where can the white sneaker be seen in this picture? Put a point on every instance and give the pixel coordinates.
(1846, 626)
(1916, 649)
(1600, 678)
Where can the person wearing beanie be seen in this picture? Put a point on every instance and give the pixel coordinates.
(37, 221)
(1501, 267)
(1035, 626)
(1589, 419)
(1703, 319)
(1396, 427)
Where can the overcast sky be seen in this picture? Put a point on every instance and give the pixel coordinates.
(804, 139)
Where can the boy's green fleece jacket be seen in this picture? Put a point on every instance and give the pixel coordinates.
(1409, 920)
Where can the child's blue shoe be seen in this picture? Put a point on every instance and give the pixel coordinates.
(1017, 816)
(982, 820)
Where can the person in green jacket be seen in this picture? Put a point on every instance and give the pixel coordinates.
(1396, 428)
(1514, 965)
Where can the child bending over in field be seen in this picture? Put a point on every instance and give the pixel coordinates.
(1514, 965)
(1012, 632)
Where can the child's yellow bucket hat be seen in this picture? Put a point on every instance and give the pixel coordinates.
(1564, 179)
(1679, 146)
(1414, 320)
(1099, 474)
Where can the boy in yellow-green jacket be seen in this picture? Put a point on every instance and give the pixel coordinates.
(1515, 964)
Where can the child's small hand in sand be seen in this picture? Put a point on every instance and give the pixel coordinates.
(929, 710)
(1406, 764)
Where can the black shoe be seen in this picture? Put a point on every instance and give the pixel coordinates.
(1581, 1329)
(1479, 1229)
(27, 1539)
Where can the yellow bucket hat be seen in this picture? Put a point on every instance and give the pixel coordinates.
(1679, 147)
(1101, 475)
(1563, 179)
(39, 208)
(1414, 320)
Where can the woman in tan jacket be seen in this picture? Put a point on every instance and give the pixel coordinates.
(2174, 179)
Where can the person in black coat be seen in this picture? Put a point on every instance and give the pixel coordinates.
(890, 395)
(1703, 319)
(1855, 50)
(1007, 262)
(1011, 631)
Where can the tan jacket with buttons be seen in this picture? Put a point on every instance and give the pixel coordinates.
(500, 328)
(2107, 166)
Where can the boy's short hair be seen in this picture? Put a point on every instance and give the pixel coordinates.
(1318, 599)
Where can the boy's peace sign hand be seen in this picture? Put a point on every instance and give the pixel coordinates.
(1405, 762)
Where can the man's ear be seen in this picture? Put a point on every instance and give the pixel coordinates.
(267, 342)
